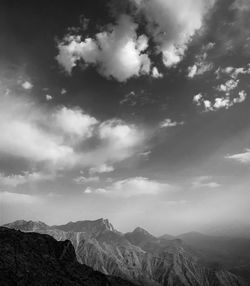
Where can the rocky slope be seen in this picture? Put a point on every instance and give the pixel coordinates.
(138, 256)
(38, 259)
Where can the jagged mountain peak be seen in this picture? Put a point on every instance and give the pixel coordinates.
(93, 227)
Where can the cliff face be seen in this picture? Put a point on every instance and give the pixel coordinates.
(38, 259)
(139, 256)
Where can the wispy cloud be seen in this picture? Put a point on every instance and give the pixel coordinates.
(205, 182)
(243, 157)
(84, 180)
(24, 178)
(133, 187)
(17, 198)
(169, 123)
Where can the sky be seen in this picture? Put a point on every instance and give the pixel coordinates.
(136, 111)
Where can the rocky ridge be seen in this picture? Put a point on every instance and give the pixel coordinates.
(33, 259)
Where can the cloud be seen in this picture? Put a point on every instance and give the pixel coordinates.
(59, 137)
(223, 102)
(242, 5)
(228, 86)
(145, 153)
(204, 182)
(156, 73)
(16, 198)
(172, 24)
(75, 122)
(241, 157)
(84, 180)
(120, 51)
(48, 97)
(116, 52)
(24, 178)
(27, 85)
(233, 72)
(101, 169)
(201, 64)
(132, 187)
(63, 91)
(169, 123)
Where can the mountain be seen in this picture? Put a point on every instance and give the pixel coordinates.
(236, 229)
(32, 259)
(167, 236)
(139, 235)
(232, 253)
(27, 225)
(139, 256)
(88, 226)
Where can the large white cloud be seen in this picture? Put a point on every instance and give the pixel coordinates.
(74, 121)
(117, 52)
(59, 137)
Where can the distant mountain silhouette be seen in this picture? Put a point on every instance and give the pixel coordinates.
(232, 253)
(139, 256)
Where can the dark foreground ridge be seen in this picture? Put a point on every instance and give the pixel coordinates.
(38, 259)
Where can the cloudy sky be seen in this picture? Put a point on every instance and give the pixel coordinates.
(136, 111)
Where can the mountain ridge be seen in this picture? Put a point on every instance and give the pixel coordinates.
(138, 256)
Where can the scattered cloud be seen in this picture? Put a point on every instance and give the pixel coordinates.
(63, 91)
(233, 72)
(242, 5)
(223, 102)
(48, 97)
(204, 182)
(27, 85)
(156, 73)
(146, 153)
(169, 123)
(104, 168)
(84, 180)
(24, 178)
(201, 64)
(228, 86)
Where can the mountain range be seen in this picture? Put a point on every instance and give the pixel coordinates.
(187, 260)
(34, 259)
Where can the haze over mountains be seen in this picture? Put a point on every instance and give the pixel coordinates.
(138, 256)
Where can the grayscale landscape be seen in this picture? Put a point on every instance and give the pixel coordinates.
(124, 143)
